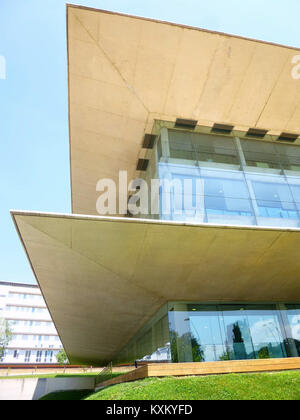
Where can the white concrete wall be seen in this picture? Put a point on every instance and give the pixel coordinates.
(34, 388)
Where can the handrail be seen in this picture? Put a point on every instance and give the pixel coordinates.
(105, 374)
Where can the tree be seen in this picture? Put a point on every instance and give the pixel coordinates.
(62, 358)
(198, 353)
(227, 355)
(185, 341)
(238, 343)
(263, 353)
(5, 335)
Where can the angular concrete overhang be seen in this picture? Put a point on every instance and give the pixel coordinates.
(125, 72)
(103, 278)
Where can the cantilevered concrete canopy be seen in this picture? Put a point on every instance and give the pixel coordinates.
(103, 278)
(125, 72)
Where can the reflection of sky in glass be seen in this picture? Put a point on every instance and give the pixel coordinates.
(265, 331)
(228, 195)
(295, 326)
(206, 329)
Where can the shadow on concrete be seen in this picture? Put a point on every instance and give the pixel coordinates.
(40, 389)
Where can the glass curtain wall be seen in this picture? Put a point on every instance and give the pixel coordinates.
(152, 342)
(194, 332)
(204, 333)
(223, 180)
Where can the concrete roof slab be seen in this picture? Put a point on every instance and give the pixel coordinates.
(126, 71)
(103, 278)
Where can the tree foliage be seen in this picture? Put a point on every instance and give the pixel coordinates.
(62, 358)
(5, 335)
(186, 341)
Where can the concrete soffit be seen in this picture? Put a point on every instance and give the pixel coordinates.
(103, 278)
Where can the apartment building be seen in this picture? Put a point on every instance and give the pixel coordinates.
(35, 339)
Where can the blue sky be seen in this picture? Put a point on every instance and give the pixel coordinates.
(34, 169)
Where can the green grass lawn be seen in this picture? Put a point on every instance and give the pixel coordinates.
(258, 386)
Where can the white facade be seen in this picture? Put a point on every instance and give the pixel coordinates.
(35, 339)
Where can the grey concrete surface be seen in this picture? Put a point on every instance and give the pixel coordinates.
(34, 388)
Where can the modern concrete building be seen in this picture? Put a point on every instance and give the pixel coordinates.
(214, 274)
(35, 339)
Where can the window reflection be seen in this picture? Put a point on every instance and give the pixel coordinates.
(201, 147)
(230, 332)
(260, 154)
(251, 184)
(289, 156)
(291, 319)
(225, 196)
(151, 343)
(214, 196)
(274, 200)
(193, 332)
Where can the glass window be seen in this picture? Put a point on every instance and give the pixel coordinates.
(152, 343)
(289, 156)
(27, 356)
(39, 356)
(200, 327)
(181, 146)
(215, 149)
(214, 196)
(291, 320)
(226, 194)
(294, 184)
(237, 333)
(274, 199)
(227, 332)
(202, 147)
(260, 154)
(209, 185)
(265, 332)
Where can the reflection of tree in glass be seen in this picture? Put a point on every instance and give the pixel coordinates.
(198, 353)
(227, 355)
(292, 347)
(238, 343)
(237, 333)
(183, 342)
(263, 353)
(297, 343)
(173, 340)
